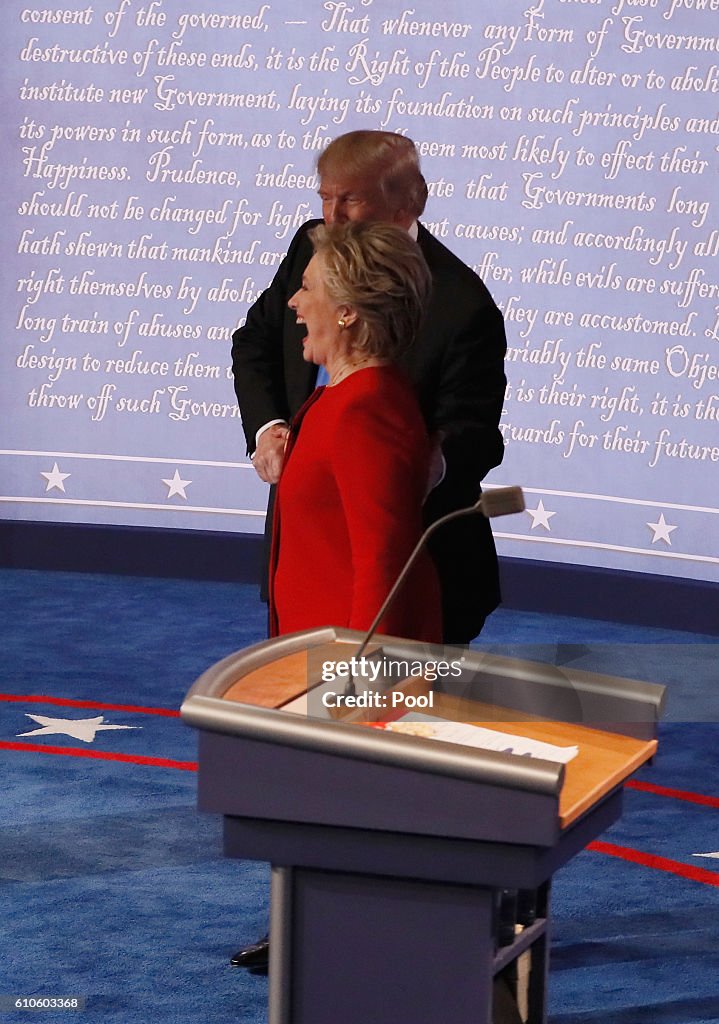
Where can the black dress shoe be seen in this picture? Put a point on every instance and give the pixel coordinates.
(254, 956)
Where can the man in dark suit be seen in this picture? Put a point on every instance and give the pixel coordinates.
(456, 364)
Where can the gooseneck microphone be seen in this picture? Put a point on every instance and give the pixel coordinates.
(498, 501)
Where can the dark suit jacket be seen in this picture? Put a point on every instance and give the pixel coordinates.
(457, 367)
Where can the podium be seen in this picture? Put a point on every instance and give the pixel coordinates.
(388, 849)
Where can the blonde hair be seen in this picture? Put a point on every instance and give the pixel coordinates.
(380, 272)
(384, 158)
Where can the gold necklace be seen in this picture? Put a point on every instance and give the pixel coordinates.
(349, 369)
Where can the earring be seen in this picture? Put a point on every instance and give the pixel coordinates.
(341, 322)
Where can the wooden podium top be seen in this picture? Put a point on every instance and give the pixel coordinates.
(605, 759)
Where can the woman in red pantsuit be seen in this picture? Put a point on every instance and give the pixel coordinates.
(348, 508)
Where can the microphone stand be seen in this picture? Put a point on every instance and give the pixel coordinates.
(500, 501)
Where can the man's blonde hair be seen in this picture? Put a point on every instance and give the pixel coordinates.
(383, 158)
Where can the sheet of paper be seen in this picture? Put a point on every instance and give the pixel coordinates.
(477, 736)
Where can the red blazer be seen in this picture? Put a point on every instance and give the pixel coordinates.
(349, 511)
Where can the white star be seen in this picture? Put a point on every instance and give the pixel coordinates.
(540, 516)
(79, 728)
(177, 486)
(55, 478)
(661, 529)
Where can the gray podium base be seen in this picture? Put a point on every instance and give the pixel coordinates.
(363, 949)
(376, 928)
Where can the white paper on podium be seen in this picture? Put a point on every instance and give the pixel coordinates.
(477, 736)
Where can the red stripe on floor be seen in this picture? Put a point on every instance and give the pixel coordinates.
(64, 702)
(650, 860)
(101, 755)
(675, 794)
(647, 860)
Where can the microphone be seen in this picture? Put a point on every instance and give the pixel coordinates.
(498, 501)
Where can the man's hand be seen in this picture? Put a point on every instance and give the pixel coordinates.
(437, 464)
(270, 453)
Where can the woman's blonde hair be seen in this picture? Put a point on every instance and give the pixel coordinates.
(380, 272)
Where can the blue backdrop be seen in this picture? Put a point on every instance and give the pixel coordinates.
(159, 157)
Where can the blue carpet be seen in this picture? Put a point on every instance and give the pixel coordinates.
(632, 946)
(113, 887)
